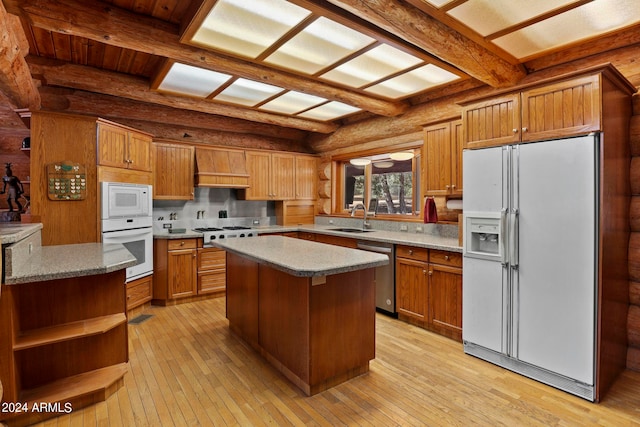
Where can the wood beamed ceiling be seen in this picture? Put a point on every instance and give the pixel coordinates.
(101, 58)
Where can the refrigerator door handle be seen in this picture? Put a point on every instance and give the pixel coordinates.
(513, 234)
(503, 237)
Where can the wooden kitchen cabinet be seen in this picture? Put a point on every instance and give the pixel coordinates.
(271, 176)
(443, 159)
(211, 270)
(411, 284)
(567, 107)
(336, 240)
(174, 269)
(429, 289)
(139, 292)
(280, 176)
(122, 147)
(184, 271)
(445, 293)
(306, 181)
(173, 167)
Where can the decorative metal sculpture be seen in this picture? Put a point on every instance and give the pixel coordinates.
(15, 188)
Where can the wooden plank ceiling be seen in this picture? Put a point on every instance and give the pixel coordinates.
(109, 57)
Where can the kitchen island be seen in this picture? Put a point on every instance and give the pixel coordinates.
(307, 307)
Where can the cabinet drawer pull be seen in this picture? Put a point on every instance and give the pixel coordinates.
(410, 251)
(447, 257)
(182, 243)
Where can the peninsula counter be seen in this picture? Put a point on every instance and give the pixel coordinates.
(307, 307)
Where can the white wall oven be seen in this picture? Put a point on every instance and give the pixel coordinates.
(126, 219)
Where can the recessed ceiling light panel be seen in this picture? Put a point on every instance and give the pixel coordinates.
(292, 102)
(247, 28)
(372, 66)
(192, 81)
(247, 92)
(329, 111)
(412, 82)
(586, 21)
(320, 44)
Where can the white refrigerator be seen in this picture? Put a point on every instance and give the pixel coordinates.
(530, 259)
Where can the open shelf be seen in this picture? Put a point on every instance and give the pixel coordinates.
(68, 331)
(69, 388)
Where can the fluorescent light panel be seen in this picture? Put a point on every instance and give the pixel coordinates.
(591, 19)
(192, 81)
(488, 16)
(247, 92)
(320, 44)
(412, 82)
(292, 102)
(329, 111)
(247, 28)
(371, 66)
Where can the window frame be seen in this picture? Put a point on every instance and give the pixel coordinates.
(338, 190)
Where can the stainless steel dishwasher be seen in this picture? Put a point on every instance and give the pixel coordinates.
(385, 276)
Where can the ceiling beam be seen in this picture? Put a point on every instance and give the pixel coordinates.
(15, 80)
(117, 109)
(90, 79)
(124, 29)
(427, 33)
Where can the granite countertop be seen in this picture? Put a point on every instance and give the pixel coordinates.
(422, 240)
(302, 258)
(65, 261)
(12, 232)
(188, 234)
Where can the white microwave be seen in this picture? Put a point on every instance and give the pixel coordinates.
(120, 200)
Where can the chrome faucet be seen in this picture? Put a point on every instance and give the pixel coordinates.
(355, 207)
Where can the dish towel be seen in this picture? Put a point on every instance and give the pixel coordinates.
(430, 211)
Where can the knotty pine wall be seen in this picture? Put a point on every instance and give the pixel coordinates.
(633, 319)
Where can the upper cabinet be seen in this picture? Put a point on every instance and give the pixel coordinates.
(280, 176)
(306, 183)
(122, 147)
(442, 159)
(571, 105)
(173, 171)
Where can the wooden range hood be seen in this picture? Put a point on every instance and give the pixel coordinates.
(221, 168)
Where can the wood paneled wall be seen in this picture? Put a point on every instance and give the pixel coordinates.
(633, 319)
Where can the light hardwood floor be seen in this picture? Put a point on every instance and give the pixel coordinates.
(186, 368)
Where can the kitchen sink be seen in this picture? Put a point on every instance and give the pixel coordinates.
(351, 230)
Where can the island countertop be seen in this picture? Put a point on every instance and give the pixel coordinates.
(65, 261)
(302, 258)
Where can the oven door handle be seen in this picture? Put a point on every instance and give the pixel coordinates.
(146, 231)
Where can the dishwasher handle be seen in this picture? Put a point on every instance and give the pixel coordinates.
(373, 248)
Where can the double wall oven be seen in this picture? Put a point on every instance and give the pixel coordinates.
(127, 219)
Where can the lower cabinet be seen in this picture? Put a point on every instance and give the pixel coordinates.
(429, 289)
(139, 292)
(212, 266)
(184, 270)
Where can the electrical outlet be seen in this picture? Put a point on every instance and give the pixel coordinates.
(419, 229)
(167, 225)
(330, 221)
(404, 228)
(256, 222)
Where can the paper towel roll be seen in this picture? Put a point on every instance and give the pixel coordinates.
(454, 204)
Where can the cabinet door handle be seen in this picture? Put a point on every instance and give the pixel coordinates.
(430, 273)
(524, 129)
(447, 186)
(515, 130)
(453, 186)
(425, 272)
